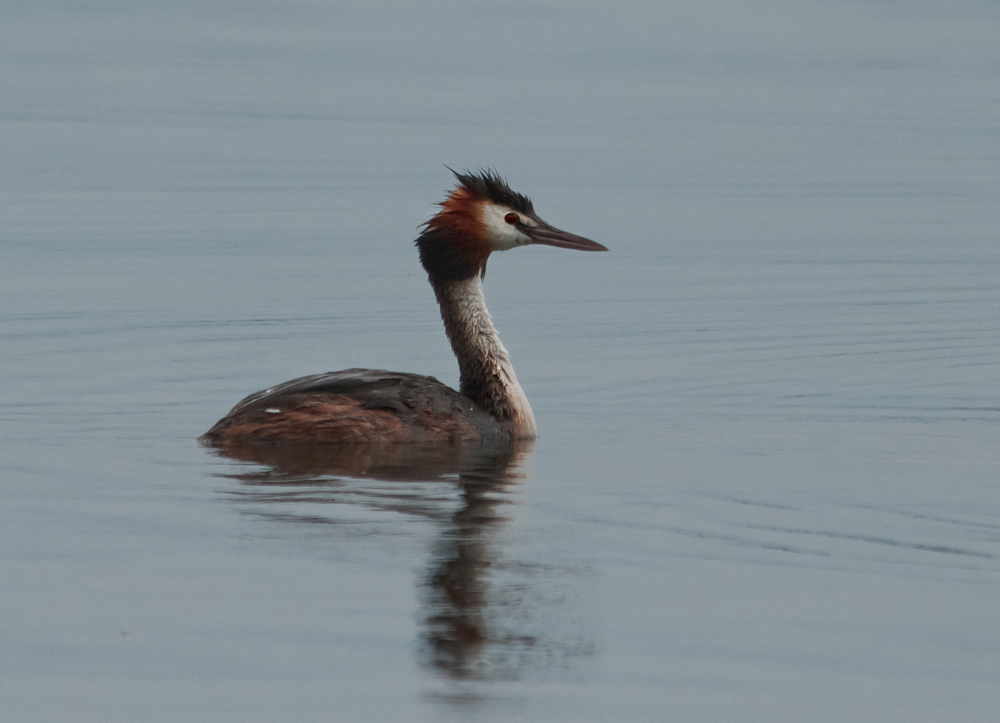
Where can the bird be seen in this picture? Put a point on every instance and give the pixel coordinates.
(479, 216)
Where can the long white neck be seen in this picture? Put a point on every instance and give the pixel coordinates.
(487, 376)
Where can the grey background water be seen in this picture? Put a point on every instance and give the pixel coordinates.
(766, 484)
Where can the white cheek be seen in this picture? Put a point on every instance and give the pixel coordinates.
(503, 235)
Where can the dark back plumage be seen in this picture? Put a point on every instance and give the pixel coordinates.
(356, 406)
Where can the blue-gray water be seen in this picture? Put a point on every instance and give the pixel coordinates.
(766, 484)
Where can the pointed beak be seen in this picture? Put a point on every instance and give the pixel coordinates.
(551, 236)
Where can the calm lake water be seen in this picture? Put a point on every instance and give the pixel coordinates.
(767, 481)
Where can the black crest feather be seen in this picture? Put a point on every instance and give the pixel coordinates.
(489, 186)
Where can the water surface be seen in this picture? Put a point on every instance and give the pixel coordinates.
(765, 486)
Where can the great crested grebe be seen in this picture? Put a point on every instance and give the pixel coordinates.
(481, 215)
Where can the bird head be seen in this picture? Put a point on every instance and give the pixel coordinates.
(482, 214)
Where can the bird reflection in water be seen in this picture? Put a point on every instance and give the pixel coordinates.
(483, 616)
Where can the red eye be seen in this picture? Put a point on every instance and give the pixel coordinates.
(511, 218)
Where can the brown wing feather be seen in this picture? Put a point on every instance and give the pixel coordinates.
(355, 406)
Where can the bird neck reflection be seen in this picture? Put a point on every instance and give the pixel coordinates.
(457, 636)
(479, 610)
